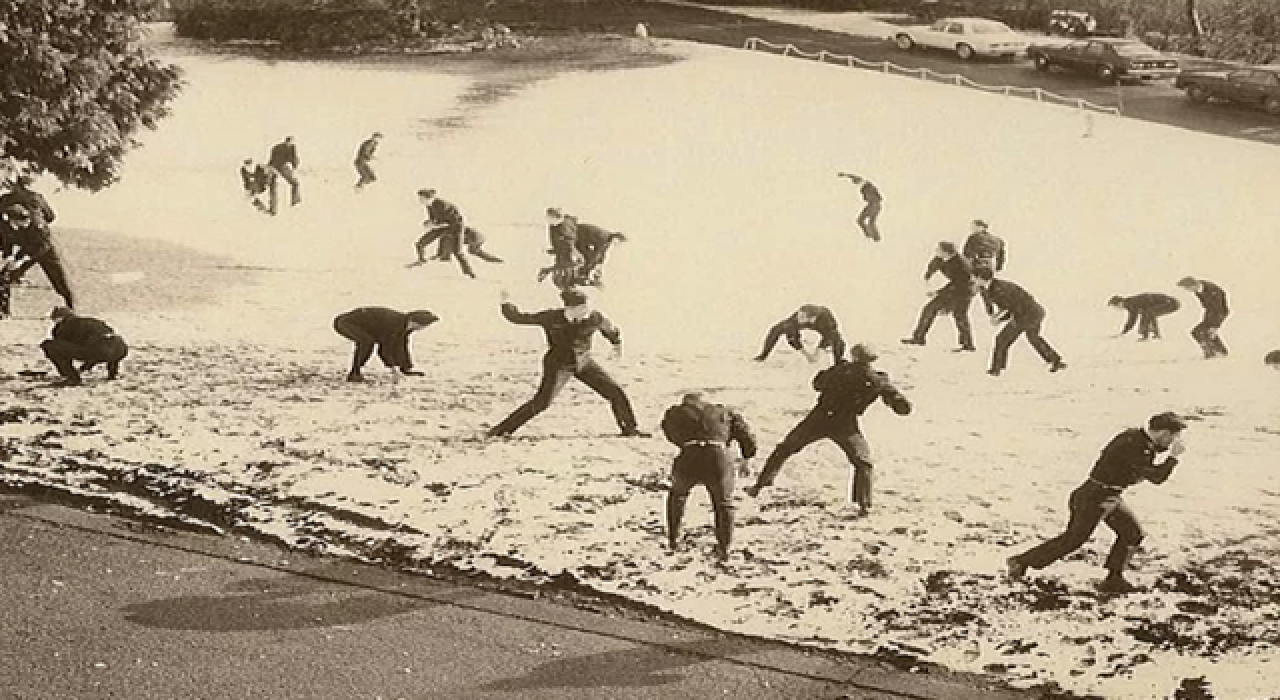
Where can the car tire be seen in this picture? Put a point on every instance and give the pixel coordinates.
(1107, 74)
(904, 42)
(1041, 61)
(965, 52)
(1272, 105)
(1197, 94)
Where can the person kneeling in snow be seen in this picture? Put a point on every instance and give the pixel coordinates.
(389, 330)
(1127, 460)
(82, 338)
(845, 392)
(703, 432)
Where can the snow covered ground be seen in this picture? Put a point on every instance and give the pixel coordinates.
(721, 169)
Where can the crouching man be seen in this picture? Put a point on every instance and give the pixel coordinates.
(82, 338)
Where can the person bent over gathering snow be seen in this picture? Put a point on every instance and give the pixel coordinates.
(1127, 460)
(1021, 313)
(568, 331)
(388, 330)
(954, 298)
(1214, 300)
(254, 179)
(703, 432)
(1144, 312)
(808, 317)
(82, 338)
(844, 393)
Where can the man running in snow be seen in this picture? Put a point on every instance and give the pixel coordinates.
(1127, 460)
(444, 223)
(364, 156)
(844, 393)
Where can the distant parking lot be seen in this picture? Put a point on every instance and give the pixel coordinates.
(1159, 102)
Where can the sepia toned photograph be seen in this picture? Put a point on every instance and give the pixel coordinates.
(639, 349)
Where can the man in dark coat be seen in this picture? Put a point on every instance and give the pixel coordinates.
(284, 164)
(844, 393)
(82, 338)
(444, 223)
(1214, 300)
(387, 330)
(873, 202)
(566, 264)
(1144, 310)
(954, 298)
(984, 249)
(703, 432)
(593, 245)
(808, 317)
(1127, 460)
(568, 331)
(1020, 313)
(364, 156)
(32, 242)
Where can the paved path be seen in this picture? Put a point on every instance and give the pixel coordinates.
(94, 606)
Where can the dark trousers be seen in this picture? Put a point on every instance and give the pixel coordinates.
(1206, 334)
(51, 264)
(818, 426)
(1091, 504)
(554, 377)
(365, 343)
(867, 220)
(1011, 332)
(367, 176)
(710, 466)
(958, 306)
(477, 249)
(1148, 325)
(834, 340)
(450, 238)
(61, 353)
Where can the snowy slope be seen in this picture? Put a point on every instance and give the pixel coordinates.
(721, 169)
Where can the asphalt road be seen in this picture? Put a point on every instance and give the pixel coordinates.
(99, 607)
(1159, 102)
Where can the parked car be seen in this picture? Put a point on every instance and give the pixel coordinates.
(966, 36)
(1111, 60)
(1255, 85)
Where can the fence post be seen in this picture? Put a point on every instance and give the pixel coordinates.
(884, 67)
(1039, 95)
(924, 73)
(786, 50)
(957, 80)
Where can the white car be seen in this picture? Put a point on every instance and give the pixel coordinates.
(967, 36)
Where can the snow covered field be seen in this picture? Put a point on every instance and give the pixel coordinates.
(721, 170)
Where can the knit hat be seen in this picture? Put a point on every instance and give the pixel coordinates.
(60, 313)
(573, 297)
(426, 192)
(1116, 301)
(1272, 358)
(1167, 421)
(1188, 282)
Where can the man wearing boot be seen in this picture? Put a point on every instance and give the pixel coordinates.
(82, 338)
(1214, 300)
(954, 298)
(703, 432)
(1127, 460)
(844, 393)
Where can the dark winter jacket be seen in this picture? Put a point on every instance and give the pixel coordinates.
(1129, 459)
(708, 422)
(568, 342)
(847, 389)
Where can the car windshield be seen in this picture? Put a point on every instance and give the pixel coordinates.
(1133, 48)
(989, 28)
